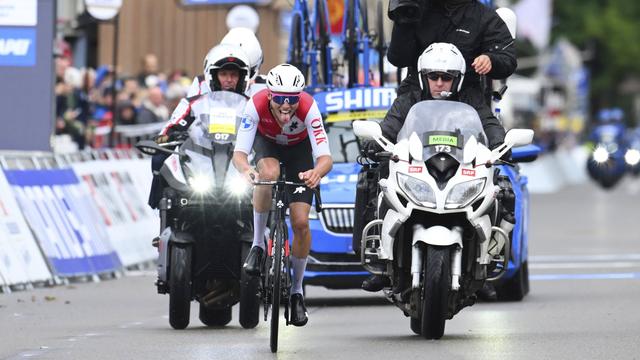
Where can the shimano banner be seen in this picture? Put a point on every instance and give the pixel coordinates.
(372, 98)
(21, 261)
(65, 220)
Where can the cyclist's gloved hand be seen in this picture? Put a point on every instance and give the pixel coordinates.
(311, 178)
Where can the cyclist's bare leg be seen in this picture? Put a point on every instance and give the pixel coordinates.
(268, 170)
(301, 233)
(301, 243)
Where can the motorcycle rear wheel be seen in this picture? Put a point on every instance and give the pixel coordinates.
(435, 296)
(180, 287)
(215, 317)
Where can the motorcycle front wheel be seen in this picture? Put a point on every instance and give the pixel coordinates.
(435, 296)
(180, 287)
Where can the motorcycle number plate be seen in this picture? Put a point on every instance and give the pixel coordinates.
(222, 121)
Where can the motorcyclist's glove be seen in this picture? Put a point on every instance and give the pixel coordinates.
(161, 139)
(179, 136)
(370, 148)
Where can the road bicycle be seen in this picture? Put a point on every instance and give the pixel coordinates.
(276, 274)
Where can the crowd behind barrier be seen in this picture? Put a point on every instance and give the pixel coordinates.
(80, 214)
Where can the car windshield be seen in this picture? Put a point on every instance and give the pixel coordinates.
(443, 126)
(220, 123)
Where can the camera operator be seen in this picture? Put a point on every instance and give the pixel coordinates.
(476, 30)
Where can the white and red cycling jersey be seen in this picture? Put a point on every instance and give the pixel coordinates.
(306, 122)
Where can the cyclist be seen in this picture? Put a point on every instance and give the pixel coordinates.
(283, 124)
(226, 68)
(248, 42)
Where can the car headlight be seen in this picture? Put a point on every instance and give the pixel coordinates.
(464, 193)
(600, 154)
(238, 186)
(418, 190)
(632, 157)
(201, 183)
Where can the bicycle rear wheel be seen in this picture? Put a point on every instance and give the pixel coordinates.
(296, 52)
(351, 44)
(381, 46)
(275, 298)
(323, 29)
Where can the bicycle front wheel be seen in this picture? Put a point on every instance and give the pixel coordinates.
(276, 291)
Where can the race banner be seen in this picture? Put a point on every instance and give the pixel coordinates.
(21, 260)
(358, 99)
(65, 221)
(122, 204)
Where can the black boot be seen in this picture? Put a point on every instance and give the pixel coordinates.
(488, 292)
(298, 310)
(253, 263)
(376, 283)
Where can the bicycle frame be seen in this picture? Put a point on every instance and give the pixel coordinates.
(310, 45)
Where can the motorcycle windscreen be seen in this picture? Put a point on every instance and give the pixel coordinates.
(220, 123)
(443, 126)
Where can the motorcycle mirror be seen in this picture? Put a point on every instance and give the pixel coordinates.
(470, 150)
(509, 17)
(518, 137)
(367, 129)
(150, 147)
(370, 130)
(415, 147)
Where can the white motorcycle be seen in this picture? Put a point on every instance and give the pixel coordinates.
(442, 235)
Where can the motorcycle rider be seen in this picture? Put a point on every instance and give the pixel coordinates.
(283, 124)
(248, 42)
(441, 69)
(226, 67)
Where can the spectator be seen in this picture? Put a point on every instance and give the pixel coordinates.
(153, 108)
(149, 68)
(126, 113)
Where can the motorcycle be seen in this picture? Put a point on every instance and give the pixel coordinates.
(632, 155)
(444, 232)
(206, 221)
(606, 163)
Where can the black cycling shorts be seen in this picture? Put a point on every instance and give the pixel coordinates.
(296, 159)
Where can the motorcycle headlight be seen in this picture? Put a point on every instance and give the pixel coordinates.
(464, 193)
(417, 190)
(238, 186)
(600, 155)
(632, 157)
(200, 183)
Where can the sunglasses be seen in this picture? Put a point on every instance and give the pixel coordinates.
(434, 76)
(280, 99)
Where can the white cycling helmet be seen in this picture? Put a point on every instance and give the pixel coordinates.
(226, 56)
(285, 78)
(442, 57)
(248, 42)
